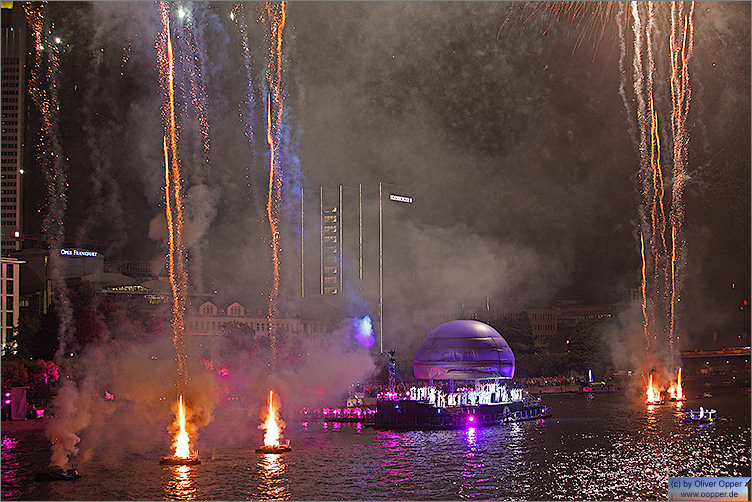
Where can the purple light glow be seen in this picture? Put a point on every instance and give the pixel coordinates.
(471, 418)
(363, 332)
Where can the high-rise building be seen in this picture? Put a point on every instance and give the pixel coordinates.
(330, 250)
(12, 78)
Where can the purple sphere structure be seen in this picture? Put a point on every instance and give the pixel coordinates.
(463, 350)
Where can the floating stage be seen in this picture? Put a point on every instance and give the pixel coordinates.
(280, 448)
(406, 414)
(180, 461)
(469, 353)
(58, 475)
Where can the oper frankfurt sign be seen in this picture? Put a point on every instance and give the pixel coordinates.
(401, 198)
(77, 252)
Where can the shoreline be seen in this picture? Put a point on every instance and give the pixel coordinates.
(14, 426)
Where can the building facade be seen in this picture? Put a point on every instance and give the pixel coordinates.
(12, 109)
(208, 320)
(10, 298)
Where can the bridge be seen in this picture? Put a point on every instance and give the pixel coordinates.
(727, 352)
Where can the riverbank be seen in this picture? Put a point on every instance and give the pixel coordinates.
(12, 427)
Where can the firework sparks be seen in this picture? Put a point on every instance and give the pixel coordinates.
(173, 196)
(193, 63)
(644, 295)
(682, 28)
(238, 13)
(274, 124)
(662, 290)
(43, 77)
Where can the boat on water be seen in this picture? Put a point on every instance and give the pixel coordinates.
(58, 474)
(477, 364)
(180, 461)
(274, 448)
(427, 408)
(701, 416)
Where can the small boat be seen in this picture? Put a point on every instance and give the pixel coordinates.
(180, 461)
(274, 448)
(702, 416)
(57, 475)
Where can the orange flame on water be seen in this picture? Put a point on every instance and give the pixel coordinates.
(181, 444)
(272, 434)
(653, 395)
(676, 390)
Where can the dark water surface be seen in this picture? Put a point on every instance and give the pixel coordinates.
(609, 448)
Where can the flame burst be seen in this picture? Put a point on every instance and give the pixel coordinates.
(272, 434)
(182, 442)
(653, 394)
(676, 391)
(273, 127)
(173, 196)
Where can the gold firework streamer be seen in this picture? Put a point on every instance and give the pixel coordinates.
(644, 296)
(274, 124)
(681, 42)
(174, 207)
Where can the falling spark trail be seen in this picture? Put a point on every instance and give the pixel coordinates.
(273, 128)
(681, 53)
(174, 208)
(197, 91)
(644, 295)
(43, 77)
(248, 63)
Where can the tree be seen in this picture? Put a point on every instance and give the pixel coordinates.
(14, 374)
(517, 332)
(585, 345)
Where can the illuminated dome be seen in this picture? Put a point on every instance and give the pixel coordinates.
(463, 350)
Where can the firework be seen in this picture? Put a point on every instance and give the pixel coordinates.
(661, 292)
(273, 127)
(173, 196)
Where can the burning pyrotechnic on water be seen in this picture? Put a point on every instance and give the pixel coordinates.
(653, 394)
(676, 391)
(181, 444)
(271, 436)
(182, 449)
(273, 431)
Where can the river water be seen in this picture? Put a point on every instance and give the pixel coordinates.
(607, 448)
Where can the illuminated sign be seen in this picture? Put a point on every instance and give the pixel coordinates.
(401, 198)
(76, 252)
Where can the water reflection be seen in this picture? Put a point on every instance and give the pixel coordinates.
(392, 454)
(181, 485)
(10, 477)
(273, 483)
(470, 437)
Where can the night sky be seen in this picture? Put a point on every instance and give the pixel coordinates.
(514, 144)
